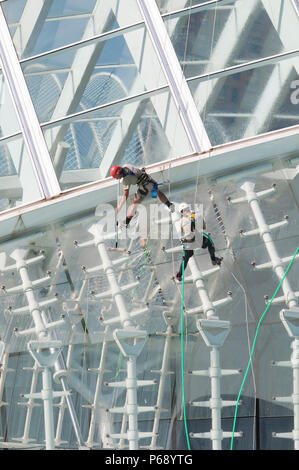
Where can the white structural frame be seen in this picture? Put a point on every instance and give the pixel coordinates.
(177, 82)
(290, 316)
(214, 333)
(129, 339)
(193, 125)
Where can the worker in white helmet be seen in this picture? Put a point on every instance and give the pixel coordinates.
(188, 238)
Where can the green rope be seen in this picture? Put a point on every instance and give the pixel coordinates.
(120, 358)
(206, 235)
(253, 345)
(182, 348)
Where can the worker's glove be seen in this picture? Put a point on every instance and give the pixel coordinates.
(183, 241)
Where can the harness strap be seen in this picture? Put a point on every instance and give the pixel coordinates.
(193, 222)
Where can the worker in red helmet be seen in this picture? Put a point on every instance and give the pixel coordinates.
(130, 176)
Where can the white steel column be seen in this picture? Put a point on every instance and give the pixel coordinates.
(264, 230)
(214, 333)
(163, 374)
(290, 320)
(290, 316)
(129, 339)
(38, 152)
(177, 82)
(96, 402)
(44, 350)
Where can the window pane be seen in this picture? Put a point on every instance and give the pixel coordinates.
(166, 6)
(18, 180)
(9, 123)
(41, 25)
(250, 102)
(138, 131)
(90, 75)
(213, 39)
(18, 184)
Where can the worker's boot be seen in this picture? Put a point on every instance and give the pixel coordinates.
(216, 261)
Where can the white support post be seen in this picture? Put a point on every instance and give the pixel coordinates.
(289, 317)
(290, 320)
(129, 339)
(207, 307)
(214, 332)
(4, 370)
(44, 350)
(173, 71)
(265, 232)
(30, 404)
(96, 402)
(163, 374)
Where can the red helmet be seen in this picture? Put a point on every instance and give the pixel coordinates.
(115, 171)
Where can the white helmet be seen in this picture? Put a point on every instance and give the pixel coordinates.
(184, 206)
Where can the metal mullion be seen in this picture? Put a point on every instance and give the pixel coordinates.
(32, 133)
(296, 6)
(177, 83)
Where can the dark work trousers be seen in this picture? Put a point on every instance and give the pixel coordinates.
(206, 243)
(188, 255)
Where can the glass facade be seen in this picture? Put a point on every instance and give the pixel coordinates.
(93, 317)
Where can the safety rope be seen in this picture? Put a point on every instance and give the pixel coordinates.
(253, 345)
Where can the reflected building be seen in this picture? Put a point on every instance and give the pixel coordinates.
(101, 348)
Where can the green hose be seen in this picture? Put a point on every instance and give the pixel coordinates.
(253, 345)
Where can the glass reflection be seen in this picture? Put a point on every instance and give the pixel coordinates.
(43, 26)
(18, 180)
(248, 103)
(90, 75)
(213, 39)
(67, 276)
(137, 131)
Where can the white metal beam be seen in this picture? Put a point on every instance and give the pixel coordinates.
(30, 24)
(177, 83)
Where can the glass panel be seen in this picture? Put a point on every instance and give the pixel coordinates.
(140, 131)
(70, 278)
(18, 181)
(167, 6)
(83, 77)
(38, 27)
(217, 38)
(9, 123)
(250, 102)
(296, 3)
